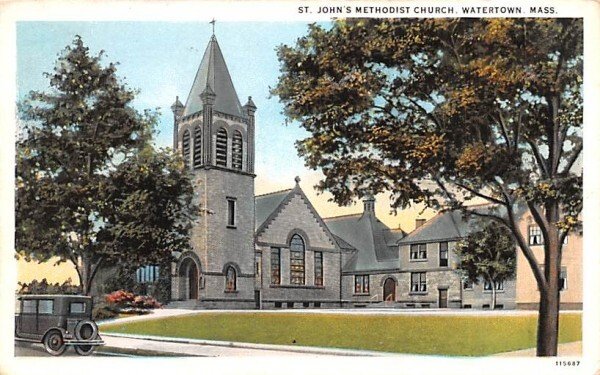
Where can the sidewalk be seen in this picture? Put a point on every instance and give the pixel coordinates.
(208, 348)
(570, 349)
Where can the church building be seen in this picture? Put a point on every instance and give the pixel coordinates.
(215, 135)
(276, 251)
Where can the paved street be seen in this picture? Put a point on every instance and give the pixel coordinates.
(27, 349)
(201, 349)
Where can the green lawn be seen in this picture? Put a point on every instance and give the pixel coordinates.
(443, 335)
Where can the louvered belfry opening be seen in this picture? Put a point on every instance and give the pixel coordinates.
(197, 147)
(185, 149)
(221, 148)
(237, 146)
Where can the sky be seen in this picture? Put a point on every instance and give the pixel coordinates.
(160, 59)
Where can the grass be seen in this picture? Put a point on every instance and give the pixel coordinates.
(441, 335)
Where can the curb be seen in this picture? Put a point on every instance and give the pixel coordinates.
(232, 344)
(131, 352)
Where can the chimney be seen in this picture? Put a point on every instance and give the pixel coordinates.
(369, 204)
(419, 222)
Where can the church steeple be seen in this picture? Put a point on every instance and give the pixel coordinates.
(213, 74)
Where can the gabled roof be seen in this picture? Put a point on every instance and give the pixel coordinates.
(213, 74)
(451, 225)
(443, 226)
(266, 204)
(268, 207)
(374, 242)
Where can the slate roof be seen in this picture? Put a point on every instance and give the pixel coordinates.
(374, 242)
(443, 226)
(214, 75)
(450, 225)
(266, 204)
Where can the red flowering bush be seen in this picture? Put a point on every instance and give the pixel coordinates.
(129, 302)
(120, 297)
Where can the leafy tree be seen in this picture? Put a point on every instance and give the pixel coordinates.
(489, 255)
(91, 190)
(487, 109)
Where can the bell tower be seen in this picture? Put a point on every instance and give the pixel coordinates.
(215, 135)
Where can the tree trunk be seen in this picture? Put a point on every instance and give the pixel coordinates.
(83, 270)
(548, 319)
(547, 334)
(493, 305)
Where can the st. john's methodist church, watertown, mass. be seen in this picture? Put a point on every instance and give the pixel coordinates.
(276, 251)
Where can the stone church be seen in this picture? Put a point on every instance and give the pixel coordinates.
(275, 250)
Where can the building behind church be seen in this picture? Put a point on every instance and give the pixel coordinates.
(276, 251)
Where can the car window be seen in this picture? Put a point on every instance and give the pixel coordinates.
(46, 306)
(29, 306)
(77, 307)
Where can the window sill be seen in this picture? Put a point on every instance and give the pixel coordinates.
(296, 286)
(231, 291)
(361, 294)
(418, 260)
(418, 293)
(490, 292)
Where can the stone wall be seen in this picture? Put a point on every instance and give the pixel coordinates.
(478, 298)
(296, 217)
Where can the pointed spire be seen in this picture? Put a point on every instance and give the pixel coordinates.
(208, 95)
(214, 75)
(250, 103)
(208, 91)
(249, 107)
(177, 107)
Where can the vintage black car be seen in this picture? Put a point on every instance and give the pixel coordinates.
(57, 321)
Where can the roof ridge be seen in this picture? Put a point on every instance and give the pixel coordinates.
(477, 205)
(273, 192)
(426, 223)
(341, 216)
(391, 229)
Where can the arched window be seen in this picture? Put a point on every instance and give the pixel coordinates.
(237, 150)
(297, 260)
(222, 147)
(197, 147)
(230, 279)
(185, 149)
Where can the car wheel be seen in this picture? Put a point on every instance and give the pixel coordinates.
(86, 330)
(54, 343)
(84, 349)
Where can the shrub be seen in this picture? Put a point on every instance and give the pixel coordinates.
(103, 311)
(43, 287)
(123, 278)
(120, 298)
(127, 302)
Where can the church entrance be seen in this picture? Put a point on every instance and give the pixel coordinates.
(189, 277)
(193, 281)
(389, 290)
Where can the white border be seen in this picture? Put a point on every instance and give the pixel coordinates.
(11, 12)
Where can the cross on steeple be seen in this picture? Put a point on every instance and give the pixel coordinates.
(213, 26)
